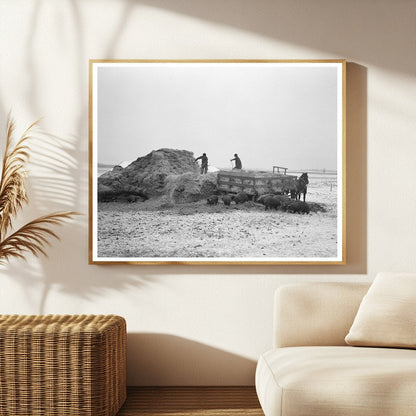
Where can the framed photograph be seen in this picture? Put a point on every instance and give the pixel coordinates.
(217, 162)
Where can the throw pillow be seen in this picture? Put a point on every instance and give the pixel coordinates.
(387, 314)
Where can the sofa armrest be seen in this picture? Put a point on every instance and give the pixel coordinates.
(315, 313)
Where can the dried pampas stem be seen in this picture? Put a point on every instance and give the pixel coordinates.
(34, 236)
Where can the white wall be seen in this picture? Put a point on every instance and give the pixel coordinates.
(189, 324)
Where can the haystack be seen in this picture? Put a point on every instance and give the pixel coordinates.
(164, 172)
(190, 187)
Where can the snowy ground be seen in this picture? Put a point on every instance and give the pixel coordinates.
(197, 230)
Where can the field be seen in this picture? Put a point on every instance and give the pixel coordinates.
(155, 229)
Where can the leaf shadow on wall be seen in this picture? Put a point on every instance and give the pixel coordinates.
(36, 68)
(164, 359)
(60, 182)
(53, 187)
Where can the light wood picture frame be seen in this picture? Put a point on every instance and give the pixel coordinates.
(204, 162)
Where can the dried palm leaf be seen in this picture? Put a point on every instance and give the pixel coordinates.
(12, 183)
(33, 237)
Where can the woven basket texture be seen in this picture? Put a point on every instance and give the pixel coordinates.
(53, 365)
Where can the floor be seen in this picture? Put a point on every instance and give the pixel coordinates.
(195, 401)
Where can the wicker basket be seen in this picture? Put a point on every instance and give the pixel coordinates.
(54, 365)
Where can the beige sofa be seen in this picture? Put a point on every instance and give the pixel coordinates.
(312, 371)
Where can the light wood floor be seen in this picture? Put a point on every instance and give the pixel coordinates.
(187, 401)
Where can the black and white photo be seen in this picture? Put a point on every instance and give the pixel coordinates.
(213, 162)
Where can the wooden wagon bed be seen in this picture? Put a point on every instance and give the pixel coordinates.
(254, 182)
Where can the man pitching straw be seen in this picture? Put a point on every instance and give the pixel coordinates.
(204, 163)
(237, 161)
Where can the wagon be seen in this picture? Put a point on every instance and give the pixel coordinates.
(255, 182)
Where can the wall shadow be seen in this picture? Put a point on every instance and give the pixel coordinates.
(356, 160)
(339, 28)
(169, 360)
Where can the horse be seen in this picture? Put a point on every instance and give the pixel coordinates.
(301, 185)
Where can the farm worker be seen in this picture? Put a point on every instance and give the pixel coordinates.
(204, 163)
(237, 160)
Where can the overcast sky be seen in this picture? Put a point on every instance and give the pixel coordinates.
(269, 114)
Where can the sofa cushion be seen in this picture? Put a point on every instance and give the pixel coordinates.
(387, 314)
(315, 314)
(342, 381)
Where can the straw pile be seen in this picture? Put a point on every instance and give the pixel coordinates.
(169, 173)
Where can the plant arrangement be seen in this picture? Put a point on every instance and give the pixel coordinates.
(34, 236)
